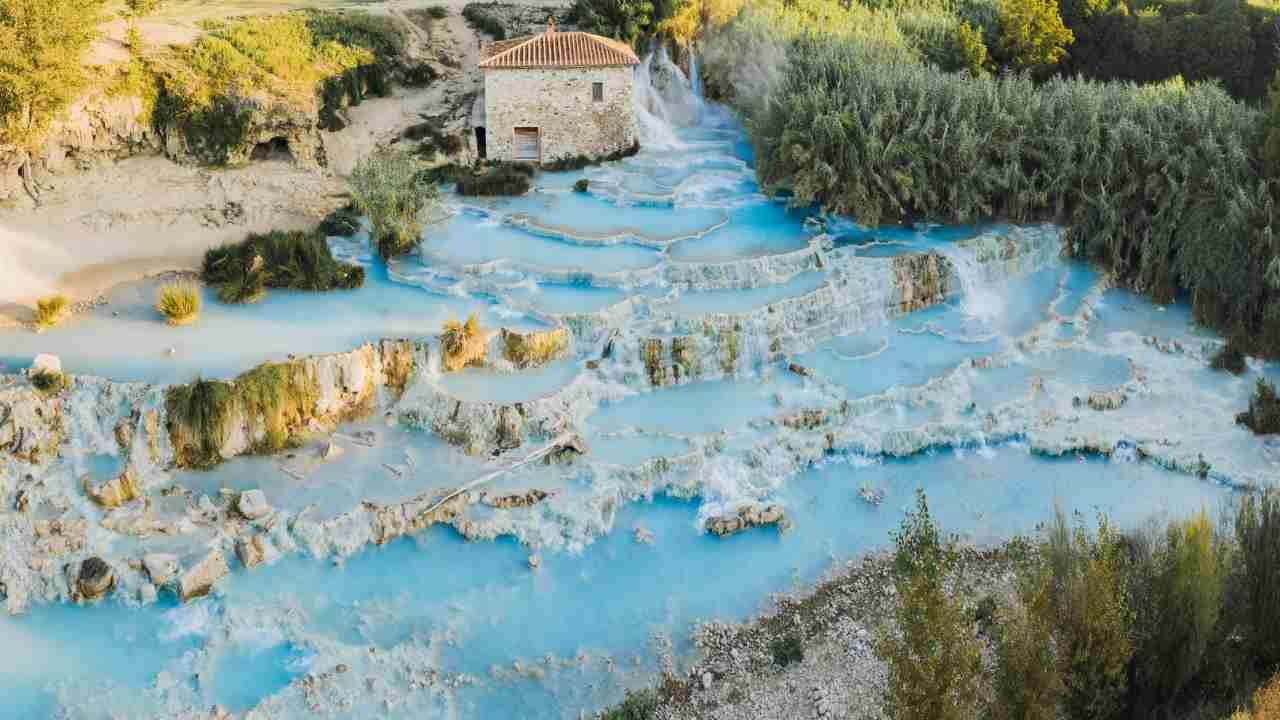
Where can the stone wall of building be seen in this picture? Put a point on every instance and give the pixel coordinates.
(558, 102)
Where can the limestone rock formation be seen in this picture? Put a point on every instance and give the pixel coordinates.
(921, 280)
(1101, 401)
(47, 363)
(253, 505)
(535, 349)
(160, 567)
(671, 362)
(747, 517)
(30, 423)
(251, 551)
(95, 579)
(200, 578)
(506, 502)
(117, 491)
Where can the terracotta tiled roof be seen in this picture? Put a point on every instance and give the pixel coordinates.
(557, 49)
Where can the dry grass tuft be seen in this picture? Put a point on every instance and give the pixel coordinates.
(52, 311)
(179, 303)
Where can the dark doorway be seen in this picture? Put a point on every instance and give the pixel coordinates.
(481, 151)
(275, 149)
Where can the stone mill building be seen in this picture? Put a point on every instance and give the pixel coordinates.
(556, 95)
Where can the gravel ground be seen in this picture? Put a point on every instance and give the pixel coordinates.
(840, 676)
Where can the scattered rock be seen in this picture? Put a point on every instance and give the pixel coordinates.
(200, 578)
(1111, 400)
(331, 451)
(643, 536)
(707, 679)
(253, 505)
(160, 567)
(250, 551)
(593, 364)
(535, 561)
(800, 370)
(747, 517)
(96, 578)
(570, 449)
(117, 492)
(342, 668)
(47, 363)
(506, 502)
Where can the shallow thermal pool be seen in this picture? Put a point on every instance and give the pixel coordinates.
(951, 399)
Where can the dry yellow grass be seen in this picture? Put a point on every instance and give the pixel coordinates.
(462, 344)
(179, 303)
(51, 311)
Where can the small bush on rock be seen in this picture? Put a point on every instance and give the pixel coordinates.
(51, 311)
(1263, 416)
(48, 381)
(497, 179)
(179, 303)
(296, 260)
(787, 650)
(1229, 358)
(480, 20)
(638, 705)
(390, 187)
(933, 656)
(462, 344)
(582, 185)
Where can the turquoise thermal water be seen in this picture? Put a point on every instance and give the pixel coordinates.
(592, 620)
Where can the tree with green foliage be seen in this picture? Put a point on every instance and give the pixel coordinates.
(625, 20)
(1032, 35)
(1257, 580)
(1028, 681)
(390, 187)
(1091, 617)
(41, 45)
(1180, 583)
(934, 659)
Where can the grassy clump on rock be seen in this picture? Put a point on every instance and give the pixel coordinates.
(391, 187)
(51, 311)
(637, 705)
(49, 382)
(1229, 358)
(295, 260)
(497, 179)
(462, 344)
(1263, 415)
(179, 303)
(534, 349)
(272, 401)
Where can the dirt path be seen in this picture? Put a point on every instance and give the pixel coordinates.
(144, 215)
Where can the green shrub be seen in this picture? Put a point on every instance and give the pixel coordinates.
(497, 179)
(1263, 415)
(1229, 358)
(787, 650)
(1028, 681)
(294, 260)
(438, 12)
(638, 705)
(389, 187)
(1031, 35)
(1089, 611)
(1180, 585)
(482, 21)
(1257, 580)
(49, 382)
(578, 162)
(432, 140)
(51, 311)
(934, 660)
(343, 222)
(625, 20)
(895, 141)
(179, 303)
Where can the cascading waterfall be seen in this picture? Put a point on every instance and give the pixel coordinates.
(979, 298)
(664, 99)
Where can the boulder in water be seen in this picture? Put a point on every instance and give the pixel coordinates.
(250, 551)
(253, 504)
(115, 492)
(200, 578)
(96, 578)
(160, 567)
(747, 517)
(45, 363)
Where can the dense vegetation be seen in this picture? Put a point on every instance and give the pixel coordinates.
(1171, 623)
(889, 117)
(1263, 415)
(497, 178)
(392, 188)
(41, 44)
(296, 260)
